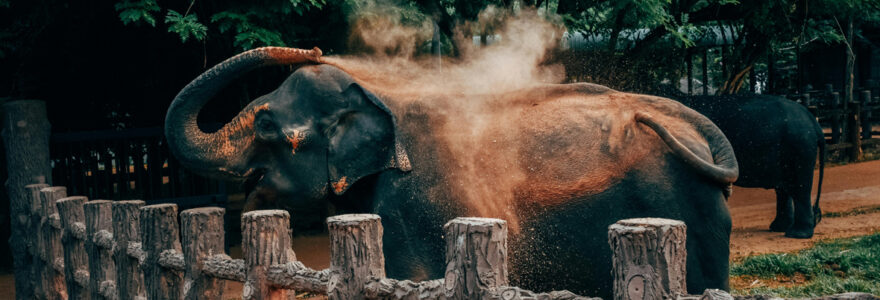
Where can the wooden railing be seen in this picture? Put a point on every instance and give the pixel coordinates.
(851, 123)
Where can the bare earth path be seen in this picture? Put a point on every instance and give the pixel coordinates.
(846, 188)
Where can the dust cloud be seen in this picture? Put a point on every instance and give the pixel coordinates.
(469, 100)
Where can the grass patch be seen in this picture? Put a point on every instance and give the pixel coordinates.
(854, 212)
(830, 267)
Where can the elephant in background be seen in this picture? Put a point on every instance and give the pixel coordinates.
(776, 142)
(560, 163)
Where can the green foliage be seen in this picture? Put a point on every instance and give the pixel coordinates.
(303, 6)
(836, 266)
(133, 12)
(4, 3)
(186, 26)
(247, 34)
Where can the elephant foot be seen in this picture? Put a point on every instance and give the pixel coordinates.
(780, 225)
(799, 233)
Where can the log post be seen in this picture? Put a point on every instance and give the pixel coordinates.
(203, 237)
(265, 242)
(476, 257)
(34, 241)
(648, 258)
(866, 116)
(50, 242)
(853, 117)
(26, 141)
(126, 233)
(835, 118)
(159, 234)
(76, 260)
(355, 254)
(99, 245)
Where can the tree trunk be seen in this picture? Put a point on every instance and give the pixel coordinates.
(159, 234)
(355, 254)
(50, 243)
(26, 139)
(126, 231)
(476, 257)
(99, 244)
(76, 260)
(203, 236)
(649, 258)
(265, 242)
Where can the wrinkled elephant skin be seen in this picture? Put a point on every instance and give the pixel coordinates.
(560, 163)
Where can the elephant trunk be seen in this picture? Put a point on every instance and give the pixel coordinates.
(223, 153)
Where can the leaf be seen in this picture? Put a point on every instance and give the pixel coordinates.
(185, 26)
(133, 12)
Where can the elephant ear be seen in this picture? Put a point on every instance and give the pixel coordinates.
(362, 140)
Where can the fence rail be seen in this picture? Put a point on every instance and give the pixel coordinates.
(851, 123)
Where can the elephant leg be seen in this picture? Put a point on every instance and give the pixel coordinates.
(803, 214)
(784, 214)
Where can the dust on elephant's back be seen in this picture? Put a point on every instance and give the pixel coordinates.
(500, 153)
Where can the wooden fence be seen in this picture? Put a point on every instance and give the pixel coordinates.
(103, 249)
(851, 123)
(128, 164)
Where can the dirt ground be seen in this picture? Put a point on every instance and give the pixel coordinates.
(848, 188)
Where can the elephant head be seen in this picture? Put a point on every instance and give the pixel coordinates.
(316, 134)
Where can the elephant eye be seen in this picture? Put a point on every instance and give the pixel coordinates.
(266, 129)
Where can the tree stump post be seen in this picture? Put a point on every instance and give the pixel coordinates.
(126, 233)
(159, 234)
(203, 237)
(50, 242)
(99, 245)
(476, 257)
(26, 141)
(649, 258)
(76, 260)
(34, 242)
(355, 254)
(866, 116)
(265, 242)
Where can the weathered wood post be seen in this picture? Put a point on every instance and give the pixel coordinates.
(26, 141)
(160, 241)
(835, 117)
(34, 242)
(203, 237)
(853, 117)
(867, 106)
(99, 245)
(648, 258)
(50, 242)
(127, 235)
(355, 254)
(476, 257)
(265, 242)
(76, 260)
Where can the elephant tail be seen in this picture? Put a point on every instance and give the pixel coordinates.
(724, 172)
(817, 212)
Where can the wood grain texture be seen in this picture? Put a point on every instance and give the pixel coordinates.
(265, 242)
(476, 257)
(159, 233)
(355, 254)
(99, 245)
(648, 258)
(52, 254)
(26, 141)
(203, 237)
(126, 232)
(76, 260)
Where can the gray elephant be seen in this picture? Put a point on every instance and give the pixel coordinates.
(560, 163)
(776, 142)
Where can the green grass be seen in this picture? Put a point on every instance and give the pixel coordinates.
(858, 211)
(830, 267)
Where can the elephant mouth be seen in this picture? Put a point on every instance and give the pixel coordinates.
(254, 178)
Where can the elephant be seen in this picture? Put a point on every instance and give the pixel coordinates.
(776, 142)
(558, 162)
